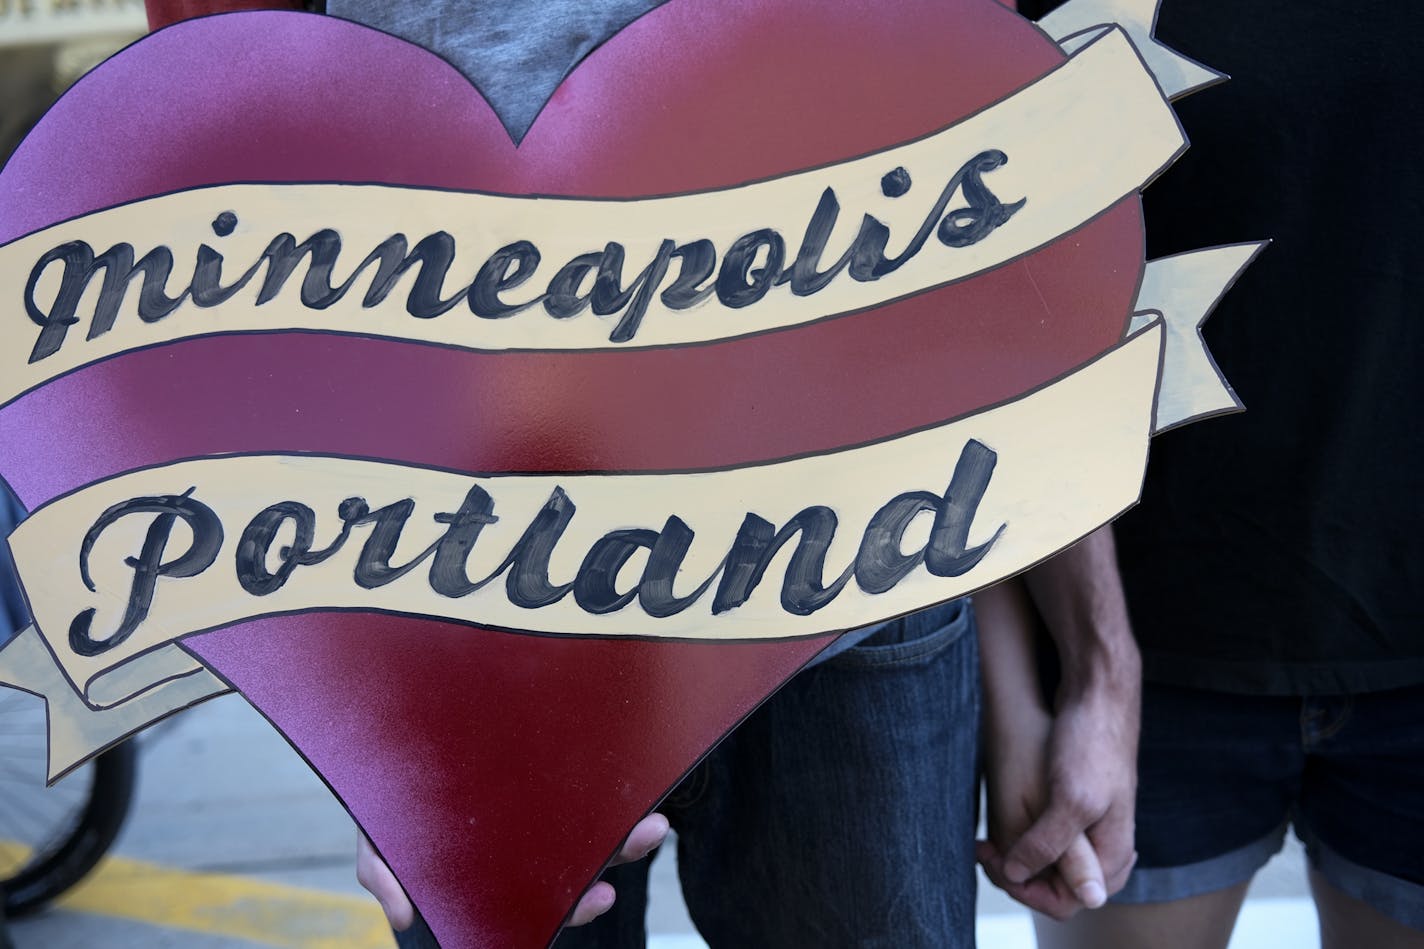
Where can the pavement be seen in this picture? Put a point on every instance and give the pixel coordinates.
(234, 844)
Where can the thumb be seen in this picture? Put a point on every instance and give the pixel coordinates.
(373, 874)
(1080, 869)
(1042, 844)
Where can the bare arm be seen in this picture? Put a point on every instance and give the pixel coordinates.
(1066, 778)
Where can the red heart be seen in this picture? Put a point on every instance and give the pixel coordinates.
(496, 772)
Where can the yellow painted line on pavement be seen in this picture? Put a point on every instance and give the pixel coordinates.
(237, 907)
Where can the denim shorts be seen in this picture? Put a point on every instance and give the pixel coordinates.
(841, 813)
(1222, 776)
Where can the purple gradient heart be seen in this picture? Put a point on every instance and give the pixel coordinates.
(495, 772)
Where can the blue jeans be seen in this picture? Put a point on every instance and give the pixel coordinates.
(1220, 777)
(839, 814)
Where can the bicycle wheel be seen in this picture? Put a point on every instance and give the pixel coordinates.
(51, 837)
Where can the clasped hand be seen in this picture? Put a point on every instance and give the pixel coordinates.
(1060, 794)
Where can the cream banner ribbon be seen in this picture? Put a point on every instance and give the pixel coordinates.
(1017, 482)
(1079, 22)
(1066, 459)
(1085, 135)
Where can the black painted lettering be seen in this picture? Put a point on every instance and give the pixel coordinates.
(867, 251)
(528, 583)
(961, 228)
(947, 554)
(881, 563)
(595, 588)
(738, 285)
(505, 269)
(609, 296)
(256, 541)
(373, 566)
(970, 225)
(80, 266)
(255, 545)
(284, 254)
(206, 288)
(751, 267)
(149, 565)
(895, 183)
(805, 279)
(434, 253)
(757, 542)
(698, 261)
(567, 298)
(448, 575)
(655, 593)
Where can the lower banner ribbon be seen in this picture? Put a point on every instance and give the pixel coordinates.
(790, 548)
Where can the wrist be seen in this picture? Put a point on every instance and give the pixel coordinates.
(1013, 722)
(1104, 669)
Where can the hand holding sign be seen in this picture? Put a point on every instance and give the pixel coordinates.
(645, 837)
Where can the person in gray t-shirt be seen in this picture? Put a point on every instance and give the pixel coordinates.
(517, 54)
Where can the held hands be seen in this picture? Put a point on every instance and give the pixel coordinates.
(1061, 783)
(1061, 794)
(373, 874)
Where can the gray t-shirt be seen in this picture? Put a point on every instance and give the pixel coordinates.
(516, 52)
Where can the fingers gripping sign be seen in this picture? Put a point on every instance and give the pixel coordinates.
(373, 874)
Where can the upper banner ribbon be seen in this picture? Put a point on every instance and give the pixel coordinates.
(590, 274)
(1079, 22)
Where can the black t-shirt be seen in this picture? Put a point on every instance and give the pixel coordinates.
(1281, 550)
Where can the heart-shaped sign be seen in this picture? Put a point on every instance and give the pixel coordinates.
(498, 771)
